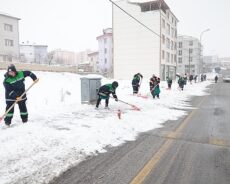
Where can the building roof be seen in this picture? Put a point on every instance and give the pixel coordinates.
(10, 16)
(185, 37)
(151, 5)
(105, 35)
(93, 53)
(33, 45)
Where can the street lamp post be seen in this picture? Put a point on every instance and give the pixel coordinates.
(201, 59)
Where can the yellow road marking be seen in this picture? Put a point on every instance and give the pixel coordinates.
(219, 142)
(152, 163)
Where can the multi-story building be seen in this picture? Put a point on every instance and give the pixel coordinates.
(210, 63)
(62, 57)
(105, 57)
(82, 56)
(32, 53)
(150, 50)
(94, 61)
(189, 55)
(225, 62)
(9, 38)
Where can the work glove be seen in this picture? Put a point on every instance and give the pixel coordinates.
(115, 97)
(18, 98)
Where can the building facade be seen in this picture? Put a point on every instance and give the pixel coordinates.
(62, 57)
(94, 61)
(225, 62)
(31, 53)
(189, 55)
(82, 56)
(137, 49)
(210, 63)
(105, 53)
(9, 38)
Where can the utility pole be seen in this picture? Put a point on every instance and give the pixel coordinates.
(201, 59)
(189, 62)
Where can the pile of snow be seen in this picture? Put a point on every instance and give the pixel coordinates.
(212, 75)
(61, 132)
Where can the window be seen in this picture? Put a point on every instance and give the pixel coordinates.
(175, 58)
(168, 43)
(180, 44)
(9, 42)
(105, 40)
(175, 33)
(167, 14)
(168, 29)
(175, 45)
(163, 39)
(190, 43)
(190, 59)
(180, 52)
(163, 23)
(105, 60)
(172, 45)
(163, 54)
(172, 58)
(190, 51)
(172, 19)
(172, 32)
(8, 27)
(167, 57)
(105, 50)
(179, 60)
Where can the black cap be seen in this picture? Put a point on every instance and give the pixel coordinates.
(11, 68)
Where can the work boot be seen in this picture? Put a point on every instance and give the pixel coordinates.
(24, 120)
(7, 123)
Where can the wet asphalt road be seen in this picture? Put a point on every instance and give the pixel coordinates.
(192, 150)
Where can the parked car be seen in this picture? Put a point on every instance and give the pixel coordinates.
(226, 78)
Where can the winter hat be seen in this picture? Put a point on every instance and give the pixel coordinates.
(115, 84)
(11, 68)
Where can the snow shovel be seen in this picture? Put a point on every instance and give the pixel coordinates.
(133, 106)
(16, 101)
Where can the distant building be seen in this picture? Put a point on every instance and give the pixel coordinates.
(189, 55)
(105, 57)
(137, 49)
(210, 62)
(62, 57)
(94, 61)
(225, 62)
(9, 38)
(32, 53)
(82, 57)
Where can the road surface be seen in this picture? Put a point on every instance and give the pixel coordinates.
(192, 150)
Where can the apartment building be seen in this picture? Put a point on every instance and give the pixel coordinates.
(32, 53)
(189, 55)
(138, 49)
(105, 50)
(9, 38)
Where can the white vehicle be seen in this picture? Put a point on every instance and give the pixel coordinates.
(226, 78)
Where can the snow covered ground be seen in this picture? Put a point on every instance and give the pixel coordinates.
(61, 132)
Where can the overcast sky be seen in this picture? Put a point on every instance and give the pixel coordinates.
(75, 24)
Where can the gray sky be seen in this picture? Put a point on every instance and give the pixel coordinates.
(75, 24)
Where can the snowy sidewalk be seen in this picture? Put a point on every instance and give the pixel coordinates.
(62, 132)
